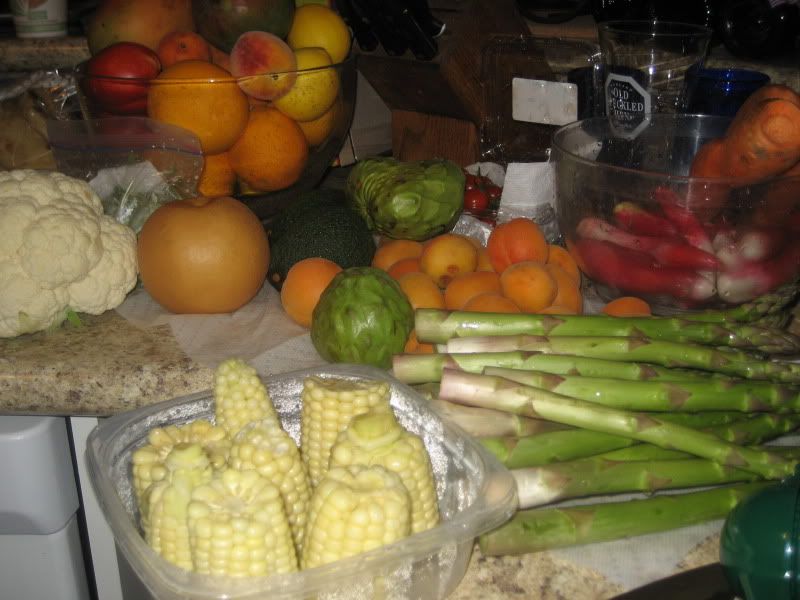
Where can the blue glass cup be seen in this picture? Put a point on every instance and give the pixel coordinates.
(720, 92)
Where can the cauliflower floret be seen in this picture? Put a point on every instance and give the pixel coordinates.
(25, 306)
(58, 251)
(113, 277)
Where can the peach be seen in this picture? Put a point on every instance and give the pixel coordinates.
(264, 65)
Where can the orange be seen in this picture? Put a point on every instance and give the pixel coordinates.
(217, 177)
(529, 285)
(203, 255)
(178, 46)
(271, 153)
(318, 130)
(303, 286)
(203, 98)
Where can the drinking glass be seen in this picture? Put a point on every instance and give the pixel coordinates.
(720, 92)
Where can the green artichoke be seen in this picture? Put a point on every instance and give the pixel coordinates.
(362, 317)
(407, 200)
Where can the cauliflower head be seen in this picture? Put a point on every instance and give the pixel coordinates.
(58, 252)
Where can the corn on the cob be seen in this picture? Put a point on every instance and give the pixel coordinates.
(377, 438)
(328, 406)
(267, 449)
(148, 461)
(355, 509)
(238, 527)
(239, 396)
(165, 509)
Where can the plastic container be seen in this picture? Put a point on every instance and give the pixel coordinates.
(597, 170)
(475, 492)
(97, 95)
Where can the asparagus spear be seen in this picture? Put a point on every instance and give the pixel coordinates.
(425, 368)
(498, 393)
(538, 529)
(485, 422)
(769, 304)
(668, 354)
(692, 396)
(437, 326)
(594, 476)
(555, 446)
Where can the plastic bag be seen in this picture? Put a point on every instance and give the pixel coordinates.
(134, 164)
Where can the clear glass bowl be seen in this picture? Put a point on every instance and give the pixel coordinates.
(265, 204)
(596, 171)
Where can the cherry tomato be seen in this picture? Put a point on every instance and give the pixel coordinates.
(117, 77)
(475, 200)
(493, 192)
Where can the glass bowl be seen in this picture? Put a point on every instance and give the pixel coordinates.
(111, 96)
(638, 224)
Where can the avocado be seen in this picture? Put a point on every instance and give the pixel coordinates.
(318, 223)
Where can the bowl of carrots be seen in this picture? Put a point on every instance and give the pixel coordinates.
(693, 212)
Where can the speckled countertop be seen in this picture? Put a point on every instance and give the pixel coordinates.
(108, 365)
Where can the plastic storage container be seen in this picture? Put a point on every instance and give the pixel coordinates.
(475, 492)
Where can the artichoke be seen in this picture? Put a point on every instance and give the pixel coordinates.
(362, 317)
(407, 200)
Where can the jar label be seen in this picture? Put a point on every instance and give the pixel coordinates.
(628, 105)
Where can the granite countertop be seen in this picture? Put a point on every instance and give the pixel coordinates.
(109, 365)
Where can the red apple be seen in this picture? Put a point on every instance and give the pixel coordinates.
(117, 77)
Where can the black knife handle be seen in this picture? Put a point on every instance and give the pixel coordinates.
(421, 44)
(364, 36)
(432, 26)
(374, 12)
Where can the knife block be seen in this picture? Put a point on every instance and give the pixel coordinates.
(438, 107)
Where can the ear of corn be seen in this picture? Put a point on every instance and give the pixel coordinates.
(165, 507)
(148, 461)
(328, 406)
(238, 527)
(355, 509)
(377, 438)
(239, 396)
(267, 449)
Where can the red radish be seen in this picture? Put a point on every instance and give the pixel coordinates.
(756, 278)
(684, 219)
(636, 219)
(735, 248)
(636, 273)
(666, 251)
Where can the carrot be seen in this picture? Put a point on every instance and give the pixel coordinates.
(763, 139)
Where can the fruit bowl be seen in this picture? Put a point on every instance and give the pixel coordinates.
(638, 224)
(263, 151)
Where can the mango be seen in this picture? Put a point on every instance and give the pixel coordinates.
(142, 21)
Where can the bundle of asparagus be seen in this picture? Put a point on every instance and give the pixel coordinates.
(584, 406)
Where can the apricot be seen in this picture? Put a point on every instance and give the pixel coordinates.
(627, 306)
(560, 256)
(263, 64)
(414, 346)
(404, 266)
(447, 255)
(466, 286)
(555, 309)
(304, 284)
(177, 46)
(421, 291)
(568, 294)
(390, 251)
(529, 285)
(491, 302)
(484, 262)
(516, 241)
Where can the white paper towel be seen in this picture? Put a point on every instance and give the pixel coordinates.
(529, 191)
